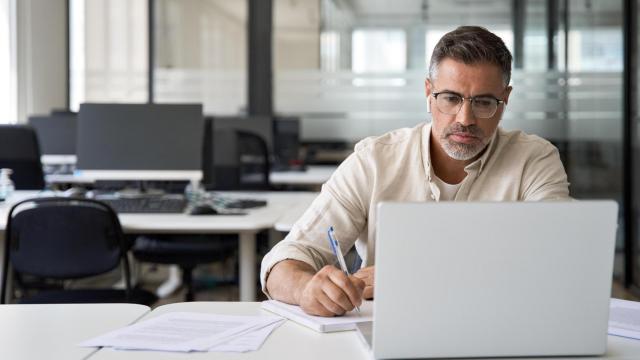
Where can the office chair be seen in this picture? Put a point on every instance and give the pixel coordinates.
(241, 161)
(19, 151)
(50, 240)
(185, 251)
(245, 166)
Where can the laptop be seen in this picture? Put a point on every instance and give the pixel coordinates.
(464, 280)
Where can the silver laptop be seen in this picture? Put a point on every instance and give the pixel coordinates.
(493, 279)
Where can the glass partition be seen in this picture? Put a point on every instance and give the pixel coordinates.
(201, 54)
(108, 51)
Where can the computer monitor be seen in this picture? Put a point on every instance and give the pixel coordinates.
(56, 133)
(140, 141)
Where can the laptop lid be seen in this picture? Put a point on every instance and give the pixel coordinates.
(493, 279)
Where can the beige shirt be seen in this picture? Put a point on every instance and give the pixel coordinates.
(396, 167)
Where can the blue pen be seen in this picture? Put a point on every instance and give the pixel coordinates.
(335, 247)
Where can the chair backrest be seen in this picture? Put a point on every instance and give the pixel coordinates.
(241, 161)
(63, 238)
(19, 151)
(254, 161)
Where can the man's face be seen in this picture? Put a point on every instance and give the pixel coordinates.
(464, 135)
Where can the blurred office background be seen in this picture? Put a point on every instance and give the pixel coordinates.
(348, 68)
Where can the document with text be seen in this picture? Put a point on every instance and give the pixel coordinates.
(185, 331)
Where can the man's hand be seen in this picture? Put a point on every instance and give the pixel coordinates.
(366, 275)
(330, 292)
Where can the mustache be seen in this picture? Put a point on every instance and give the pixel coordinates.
(457, 128)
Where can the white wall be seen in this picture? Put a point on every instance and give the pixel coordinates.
(41, 56)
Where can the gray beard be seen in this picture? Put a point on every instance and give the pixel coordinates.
(462, 152)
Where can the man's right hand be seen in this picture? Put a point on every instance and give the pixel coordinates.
(331, 292)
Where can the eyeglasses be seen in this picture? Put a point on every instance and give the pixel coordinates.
(483, 107)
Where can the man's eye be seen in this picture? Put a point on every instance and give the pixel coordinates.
(484, 102)
(451, 98)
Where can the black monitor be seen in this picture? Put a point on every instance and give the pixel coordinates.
(56, 133)
(140, 141)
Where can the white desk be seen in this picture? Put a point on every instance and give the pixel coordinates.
(293, 341)
(53, 331)
(289, 341)
(247, 226)
(313, 175)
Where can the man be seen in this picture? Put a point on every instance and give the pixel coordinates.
(461, 156)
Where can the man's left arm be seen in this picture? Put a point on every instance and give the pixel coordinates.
(544, 177)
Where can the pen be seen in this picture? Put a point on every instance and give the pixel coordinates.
(335, 247)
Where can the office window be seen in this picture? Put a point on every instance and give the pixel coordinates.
(201, 54)
(8, 91)
(108, 51)
(379, 51)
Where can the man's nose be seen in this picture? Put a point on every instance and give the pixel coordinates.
(465, 116)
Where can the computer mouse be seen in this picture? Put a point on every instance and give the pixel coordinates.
(203, 210)
(74, 192)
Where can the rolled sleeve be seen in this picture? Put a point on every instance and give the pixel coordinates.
(340, 204)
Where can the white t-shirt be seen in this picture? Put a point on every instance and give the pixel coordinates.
(447, 191)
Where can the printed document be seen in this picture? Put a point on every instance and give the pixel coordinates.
(184, 332)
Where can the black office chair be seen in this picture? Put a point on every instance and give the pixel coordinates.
(186, 251)
(49, 240)
(241, 161)
(19, 151)
(248, 168)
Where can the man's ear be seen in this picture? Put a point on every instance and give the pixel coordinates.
(507, 92)
(427, 90)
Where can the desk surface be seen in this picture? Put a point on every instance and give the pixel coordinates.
(313, 175)
(293, 341)
(53, 331)
(289, 341)
(279, 205)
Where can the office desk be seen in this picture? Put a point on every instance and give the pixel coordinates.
(293, 341)
(313, 175)
(53, 331)
(289, 341)
(247, 226)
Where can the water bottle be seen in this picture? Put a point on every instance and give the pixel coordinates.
(194, 192)
(6, 185)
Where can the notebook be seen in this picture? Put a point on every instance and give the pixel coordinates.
(320, 323)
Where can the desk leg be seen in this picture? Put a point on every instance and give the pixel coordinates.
(247, 266)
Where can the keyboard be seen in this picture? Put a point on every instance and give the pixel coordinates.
(245, 204)
(166, 204)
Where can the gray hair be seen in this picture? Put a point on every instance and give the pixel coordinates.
(472, 45)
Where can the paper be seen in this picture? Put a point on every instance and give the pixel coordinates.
(250, 341)
(624, 318)
(184, 332)
(320, 323)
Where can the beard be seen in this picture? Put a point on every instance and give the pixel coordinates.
(462, 150)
